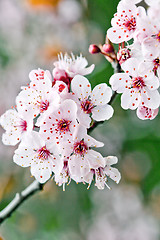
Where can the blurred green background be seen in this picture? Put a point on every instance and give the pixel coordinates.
(32, 32)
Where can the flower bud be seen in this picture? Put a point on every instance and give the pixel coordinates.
(107, 48)
(93, 49)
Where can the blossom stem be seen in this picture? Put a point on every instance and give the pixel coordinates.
(19, 199)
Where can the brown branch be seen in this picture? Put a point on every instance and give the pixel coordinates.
(19, 199)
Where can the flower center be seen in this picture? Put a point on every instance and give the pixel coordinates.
(138, 83)
(63, 125)
(158, 36)
(44, 106)
(130, 24)
(80, 148)
(123, 55)
(43, 153)
(87, 106)
(156, 63)
(23, 125)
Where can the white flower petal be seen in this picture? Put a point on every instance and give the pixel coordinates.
(102, 113)
(101, 94)
(81, 87)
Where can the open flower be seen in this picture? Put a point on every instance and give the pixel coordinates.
(124, 23)
(102, 173)
(138, 86)
(60, 124)
(81, 158)
(91, 103)
(16, 126)
(42, 157)
(37, 102)
(73, 65)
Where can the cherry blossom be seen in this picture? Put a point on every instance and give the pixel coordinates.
(124, 23)
(15, 125)
(61, 176)
(69, 66)
(101, 174)
(42, 157)
(91, 103)
(137, 85)
(81, 158)
(73, 65)
(34, 103)
(61, 123)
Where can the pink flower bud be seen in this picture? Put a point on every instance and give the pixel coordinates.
(107, 48)
(93, 49)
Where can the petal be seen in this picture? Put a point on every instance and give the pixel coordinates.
(42, 171)
(11, 138)
(84, 118)
(102, 113)
(131, 67)
(26, 102)
(151, 81)
(91, 142)
(119, 82)
(101, 94)
(23, 156)
(116, 35)
(9, 119)
(113, 173)
(95, 159)
(150, 99)
(86, 71)
(81, 87)
(110, 160)
(78, 167)
(130, 99)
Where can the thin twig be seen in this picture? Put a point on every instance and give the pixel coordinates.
(19, 199)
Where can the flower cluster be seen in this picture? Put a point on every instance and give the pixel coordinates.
(139, 58)
(51, 119)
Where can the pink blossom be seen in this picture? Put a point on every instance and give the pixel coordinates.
(33, 102)
(60, 124)
(101, 174)
(91, 103)
(42, 157)
(16, 126)
(72, 66)
(81, 158)
(124, 23)
(138, 85)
